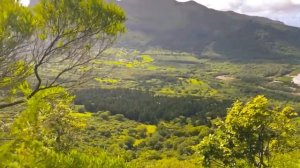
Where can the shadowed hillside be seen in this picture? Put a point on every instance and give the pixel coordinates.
(191, 27)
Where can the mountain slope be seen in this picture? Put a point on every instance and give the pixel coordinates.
(192, 27)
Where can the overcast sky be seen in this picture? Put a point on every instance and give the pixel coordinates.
(287, 11)
(25, 2)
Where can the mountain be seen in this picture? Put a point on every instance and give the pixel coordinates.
(191, 27)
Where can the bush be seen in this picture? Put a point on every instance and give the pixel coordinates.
(80, 108)
(119, 117)
(39, 156)
(104, 115)
(128, 142)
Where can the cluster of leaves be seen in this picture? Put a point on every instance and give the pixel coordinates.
(71, 33)
(134, 61)
(250, 135)
(46, 135)
(188, 87)
(53, 33)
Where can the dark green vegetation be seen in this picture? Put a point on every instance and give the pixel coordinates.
(145, 108)
(148, 108)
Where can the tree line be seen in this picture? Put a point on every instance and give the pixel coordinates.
(147, 107)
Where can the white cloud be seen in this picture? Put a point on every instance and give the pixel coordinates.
(287, 11)
(25, 2)
(296, 1)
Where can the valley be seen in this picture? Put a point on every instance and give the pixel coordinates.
(177, 93)
(146, 84)
(171, 74)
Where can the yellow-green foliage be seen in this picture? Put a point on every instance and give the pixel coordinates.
(188, 87)
(82, 15)
(46, 131)
(286, 160)
(196, 82)
(151, 129)
(152, 68)
(81, 115)
(14, 81)
(128, 62)
(79, 119)
(137, 142)
(108, 81)
(250, 130)
(57, 25)
(146, 131)
(147, 59)
(14, 20)
(120, 63)
(173, 163)
(81, 69)
(48, 118)
(132, 64)
(34, 154)
(196, 86)
(167, 91)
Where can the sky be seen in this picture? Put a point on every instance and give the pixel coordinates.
(287, 11)
(25, 2)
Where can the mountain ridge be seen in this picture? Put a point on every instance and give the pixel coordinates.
(192, 27)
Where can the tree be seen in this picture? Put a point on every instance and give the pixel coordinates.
(49, 119)
(54, 44)
(43, 51)
(16, 27)
(45, 135)
(250, 134)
